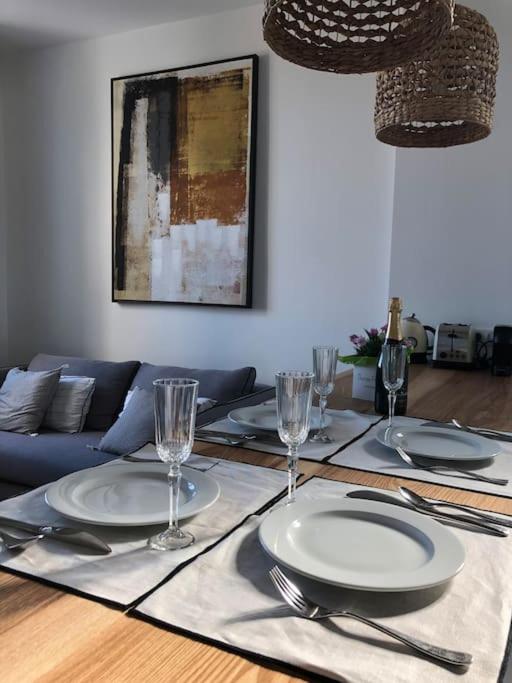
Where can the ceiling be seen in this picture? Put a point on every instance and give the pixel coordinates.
(39, 23)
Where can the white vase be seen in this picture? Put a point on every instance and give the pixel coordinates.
(363, 382)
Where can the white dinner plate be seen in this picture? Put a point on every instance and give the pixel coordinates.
(439, 443)
(265, 417)
(362, 544)
(129, 494)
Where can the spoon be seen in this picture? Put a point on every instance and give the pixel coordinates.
(13, 543)
(422, 504)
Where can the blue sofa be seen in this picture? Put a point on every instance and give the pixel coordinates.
(29, 461)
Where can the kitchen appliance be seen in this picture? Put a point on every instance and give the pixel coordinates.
(454, 346)
(502, 351)
(414, 331)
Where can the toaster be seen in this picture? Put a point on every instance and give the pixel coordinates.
(454, 346)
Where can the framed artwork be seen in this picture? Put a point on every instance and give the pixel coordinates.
(183, 174)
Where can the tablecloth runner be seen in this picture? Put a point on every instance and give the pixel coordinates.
(369, 455)
(346, 426)
(133, 569)
(226, 597)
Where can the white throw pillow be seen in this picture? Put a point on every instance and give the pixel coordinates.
(70, 405)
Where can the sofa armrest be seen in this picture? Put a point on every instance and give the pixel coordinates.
(260, 394)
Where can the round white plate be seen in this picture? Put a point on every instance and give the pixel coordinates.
(362, 544)
(129, 494)
(439, 443)
(265, 417)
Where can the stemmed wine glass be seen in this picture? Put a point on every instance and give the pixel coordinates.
(175, 416)
(325, 359)
(394, 357)
(294, 392)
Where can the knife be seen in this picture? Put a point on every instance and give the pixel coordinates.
(471, 524)
(261, 438)
(61, 533)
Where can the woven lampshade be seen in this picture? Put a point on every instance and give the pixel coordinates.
(448, 97)
(354, 36)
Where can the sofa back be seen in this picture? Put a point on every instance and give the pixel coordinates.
(221, 385)
(112, 383)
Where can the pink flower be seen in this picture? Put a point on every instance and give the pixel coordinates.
(373, 332)
(361, 341)
(353, 338)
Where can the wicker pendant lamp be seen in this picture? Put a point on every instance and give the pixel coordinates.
(448, 97)
(354, 36)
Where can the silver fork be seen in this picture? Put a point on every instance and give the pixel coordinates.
(448, 468)
(14, 543)
(309, 610)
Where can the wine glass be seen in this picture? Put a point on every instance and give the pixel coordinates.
(175, 416)
(294, 392)
(325, 359)
(394, 357)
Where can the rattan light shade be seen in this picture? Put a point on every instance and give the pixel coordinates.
(448, 97)
(354, 36)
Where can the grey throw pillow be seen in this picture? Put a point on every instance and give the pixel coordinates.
(70, 405)
(134, 427)
(24, 399)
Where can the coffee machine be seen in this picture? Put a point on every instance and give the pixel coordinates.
(502, 351)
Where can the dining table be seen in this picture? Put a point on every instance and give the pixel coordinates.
(48, 634)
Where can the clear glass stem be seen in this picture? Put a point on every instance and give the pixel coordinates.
(293, 471)
(391, 410)
(323, 405)
(174, 478)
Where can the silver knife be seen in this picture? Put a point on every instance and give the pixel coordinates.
(261, 438)
(472, 524)
(61, 533)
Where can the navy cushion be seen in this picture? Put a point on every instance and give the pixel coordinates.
(36, 460)
(134, 428)
(221, 385)
(112, 382)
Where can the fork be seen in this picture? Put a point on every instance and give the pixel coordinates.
(13, 543)
(448, 468)
(309, 610)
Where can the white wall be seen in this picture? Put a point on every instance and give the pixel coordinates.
(323, 219)
(3, 226)
(452, 230)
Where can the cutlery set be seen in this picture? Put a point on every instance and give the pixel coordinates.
(62, 534)
(472, 520)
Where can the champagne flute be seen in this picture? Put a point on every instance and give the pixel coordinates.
(325, 359)
(394, 358)
(294, 392)
(175, 415)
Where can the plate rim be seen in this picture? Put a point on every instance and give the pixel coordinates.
(246, 423)
(447, 537)
(53, 490)
(441, 431)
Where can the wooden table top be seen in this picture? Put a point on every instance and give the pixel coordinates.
(49, 635)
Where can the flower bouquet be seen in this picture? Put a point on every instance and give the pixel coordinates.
(367, 347)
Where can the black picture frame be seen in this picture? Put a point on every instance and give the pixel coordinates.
(248, 303)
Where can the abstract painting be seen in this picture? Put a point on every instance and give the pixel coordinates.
(183, 147)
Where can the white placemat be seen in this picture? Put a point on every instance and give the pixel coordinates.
(226, 596)
(132, 568)
(369, 455)
(346, 426)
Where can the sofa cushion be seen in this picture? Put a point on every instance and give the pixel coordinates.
(134, 428)
(112, 382)
(37, 460)
(24, 399)
(70, 405)
(220, 385)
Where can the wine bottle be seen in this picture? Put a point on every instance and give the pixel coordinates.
(393, 336)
